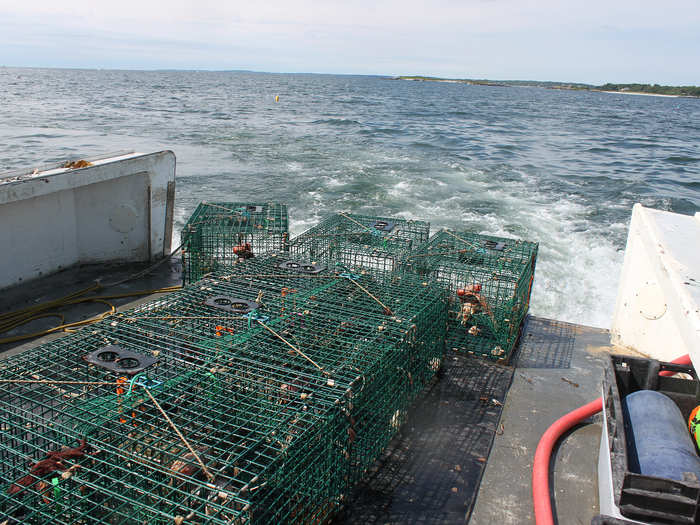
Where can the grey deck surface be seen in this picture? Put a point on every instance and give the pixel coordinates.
(430, 472)
(558, 369)
(77, 278)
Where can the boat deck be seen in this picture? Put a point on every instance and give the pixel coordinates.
(465, 454)
(558, 368)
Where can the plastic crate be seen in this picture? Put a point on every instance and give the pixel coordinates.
(640, 497)
(287, 407)
(220, 233)
(496, 274)
(361, 243)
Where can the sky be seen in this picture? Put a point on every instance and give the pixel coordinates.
(593, 41)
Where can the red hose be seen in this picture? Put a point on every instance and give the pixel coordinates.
(543, 454)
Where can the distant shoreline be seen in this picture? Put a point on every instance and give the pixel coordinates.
(644, 94)
(622, 89)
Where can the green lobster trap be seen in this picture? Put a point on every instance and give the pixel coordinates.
(361, 243)
(489, 280)
(229, 401)
(220, 233)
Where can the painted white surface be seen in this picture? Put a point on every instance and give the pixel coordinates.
(658, 302)
(102, 213)
(606, 490)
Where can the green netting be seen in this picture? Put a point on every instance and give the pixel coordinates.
(219, 233)
(286, 405)
(495, 275)
(361, 243)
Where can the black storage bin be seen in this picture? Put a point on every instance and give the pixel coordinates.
(640, 497)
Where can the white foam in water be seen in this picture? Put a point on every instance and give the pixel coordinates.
(578, 265)
(534, 164)
(579, 258)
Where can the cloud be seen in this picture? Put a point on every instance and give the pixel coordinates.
(547, 39)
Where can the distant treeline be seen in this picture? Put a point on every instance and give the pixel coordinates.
(656, 89)
(686, 91)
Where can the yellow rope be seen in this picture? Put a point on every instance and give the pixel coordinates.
(282, 276)
(220, 207)
(210, 476)
(174, 317)
(431, 254)
(386, 308)
(448, 232)
(302, 354)
(356, 222)
(48, 304)
(23, 316)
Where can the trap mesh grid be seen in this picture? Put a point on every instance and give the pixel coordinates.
(361, 243)
(217, 234)
(283, 436)
(485, 322)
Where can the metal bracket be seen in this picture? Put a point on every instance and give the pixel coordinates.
(302, 267)
(383, 226)
(232, 304)
(493, 245)
(120, 360)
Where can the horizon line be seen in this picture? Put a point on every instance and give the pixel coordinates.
(375, 75)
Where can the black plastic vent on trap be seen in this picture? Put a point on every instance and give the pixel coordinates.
(301, 267)
(383, 226)
(254, 209)
(120, 360)
(232, 304)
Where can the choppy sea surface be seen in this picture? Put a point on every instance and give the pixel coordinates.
(559, 167)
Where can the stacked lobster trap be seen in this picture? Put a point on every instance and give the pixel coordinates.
(220, 233)
(260, 394)
(361, 243)
(489, 280)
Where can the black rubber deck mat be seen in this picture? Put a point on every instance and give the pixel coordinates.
(430, 473)
(546, 343)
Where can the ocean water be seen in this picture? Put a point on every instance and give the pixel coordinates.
(559, 167)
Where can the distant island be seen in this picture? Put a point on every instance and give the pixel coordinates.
(640, 89)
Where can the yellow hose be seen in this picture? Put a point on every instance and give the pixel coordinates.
(11, 320)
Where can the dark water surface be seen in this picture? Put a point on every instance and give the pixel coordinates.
(560, 167)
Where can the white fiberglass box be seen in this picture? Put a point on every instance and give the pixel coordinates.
(658, 302)
(116, 209)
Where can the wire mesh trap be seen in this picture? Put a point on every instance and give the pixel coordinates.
(361, 243)
(219, 233)
(226, 402)
(489, 280)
